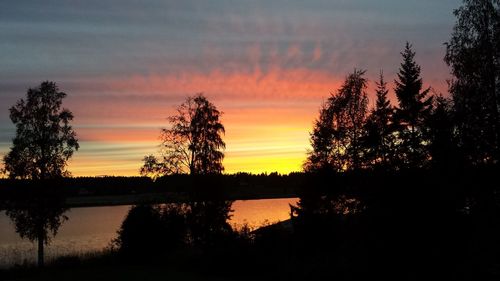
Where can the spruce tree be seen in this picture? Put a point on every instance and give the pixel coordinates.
(415, 105)
(378, 141)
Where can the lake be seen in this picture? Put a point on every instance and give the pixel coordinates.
(92, 229)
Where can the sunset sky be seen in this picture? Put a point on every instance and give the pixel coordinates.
(268, 65)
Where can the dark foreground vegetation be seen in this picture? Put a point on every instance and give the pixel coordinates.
(408, 191)
(409, 225)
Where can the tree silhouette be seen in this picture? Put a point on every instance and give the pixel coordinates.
(192, 144)
(379, 138)
(337, 142)
(473, 53)
(207, 223)
(336, 136)
(148, 232)
(441, 135)
(44, 142)
(414, 107)
(140, 235)
(44, 139)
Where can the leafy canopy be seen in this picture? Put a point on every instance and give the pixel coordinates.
(193, 144)
(44, 139)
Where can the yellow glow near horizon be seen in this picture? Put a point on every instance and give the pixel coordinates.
(258, 140)
(284, 153)
(252, 149)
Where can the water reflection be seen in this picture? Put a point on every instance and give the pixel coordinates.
(87, 230)
(256, 213)
(92, 229)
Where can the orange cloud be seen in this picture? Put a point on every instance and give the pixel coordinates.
(275, 84)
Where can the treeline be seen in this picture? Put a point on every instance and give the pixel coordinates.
(211, 186)
(425, 205)
(239, 186)
(423, 131)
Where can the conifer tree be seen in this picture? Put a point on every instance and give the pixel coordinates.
(378, 141)
(415, 105)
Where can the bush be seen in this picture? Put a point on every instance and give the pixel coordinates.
(151, 231)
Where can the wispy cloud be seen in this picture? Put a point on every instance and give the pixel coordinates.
(267, 64)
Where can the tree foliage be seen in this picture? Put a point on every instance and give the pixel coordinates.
(152, 231)
(378, 141)
(442, 138)
(192, 144)
(414, 107)
(473, 53)
(44, 142)
(44, 139)
(148, 232)
(336, 136)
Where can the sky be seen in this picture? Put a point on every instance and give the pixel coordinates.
(267, 65)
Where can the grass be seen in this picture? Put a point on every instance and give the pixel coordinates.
(106, 265)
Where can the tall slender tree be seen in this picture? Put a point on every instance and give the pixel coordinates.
(324, 146)
(473, 53)
(44, 139)
(379, 139)
(337, 146)
(192, 144)
(336, 136)
(415, 105)
(44, 142)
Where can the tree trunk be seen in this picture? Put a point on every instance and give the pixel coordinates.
(40, 251)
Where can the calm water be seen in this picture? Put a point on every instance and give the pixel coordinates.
(92, 229)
